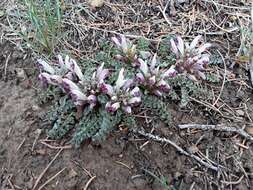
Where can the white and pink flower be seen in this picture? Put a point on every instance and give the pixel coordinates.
(128, 51)
(153, 78)
(122, 95)
(191, 59)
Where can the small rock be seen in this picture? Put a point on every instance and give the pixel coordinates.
(72, 173)
(35, 108)
(240, 112)
(21, 73)
(2, 13)
(96, 3)
(41, 151)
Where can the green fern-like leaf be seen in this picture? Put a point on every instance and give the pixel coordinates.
(143, 44)
(109, 121)
(87, 128)
(186, 88)
(62, 118)
(159, 107)
(212, 78)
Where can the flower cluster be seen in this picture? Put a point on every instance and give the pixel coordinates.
(69, 77)
(54, 74)
(122, 95)
(125, 93)
(153, 78)
(191, 59)
(88, 91)
(128, 50)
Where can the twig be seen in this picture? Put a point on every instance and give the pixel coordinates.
(10, 183)
(56, 147)
(80, 166)
(52, 178)
(5, 66)
(233, 182)
(45, 170)
(36, 138)
(224, 79)
(251, 56)
(21, 144)
(89, 182)
(123, 164)
(219, 127)
(182, 151)
(164, 13)
(207, 105)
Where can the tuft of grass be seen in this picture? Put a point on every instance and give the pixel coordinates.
(45, 20)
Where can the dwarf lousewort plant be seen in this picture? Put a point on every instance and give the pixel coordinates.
(128, 50)
(123, 95)
(153, 78)
(191, 59)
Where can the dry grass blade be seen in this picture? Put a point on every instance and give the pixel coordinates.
(89, 182)
(45, 170)
(51, 179)
(251, 51)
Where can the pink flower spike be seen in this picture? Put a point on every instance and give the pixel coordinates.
(174, 47)
(195, 42)
(78, 97)
(44, 78)
(204, 60)
(67, 62)
(143, 67)
(45, 66)
(136, 92)
(124, 43)
(68, 85)
(180, 45)
(153, 62)
(151, 81)
(56, 79)
(116, 41)
(158, 93)
(76, 69)
(92, 99)
(106, 89)
(201, 75)
(170, 73)
(127, 109)
(204, 48)
(70, 76)
(60, 61)
(101, 73)
(120, 81)
(112, 107)
(140, 78)
(128, 83)
(163, 86)
(134, 100)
